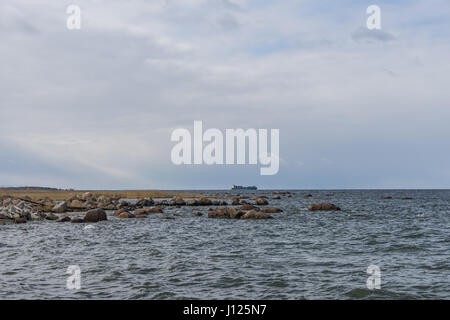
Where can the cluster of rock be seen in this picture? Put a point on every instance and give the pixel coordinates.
(232, 213)
(21, 211)
(90, 208)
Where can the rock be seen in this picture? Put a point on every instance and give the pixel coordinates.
(124, 215)
(118, 212)
(223, 203)
(110, 207)
(60, 207)
(76, 204)
(85, 196)
(253, 214)
(192, 202)
(261, 201)
(235, 202)
(246, 207)
(271, 210)
(77, 220)
(242, 202)
(27, 198)
(146, 202)
(407, 198)
(20, 220)
(124, 204)
(95, 215)
(148, 210)
(64, 219)
(177, 201)
(51, 216)
(225, 213)
(198, 214)
(276, 197)
(205, 202)
(386, 198)
(306, 196)
(324, 206)
(35, 217)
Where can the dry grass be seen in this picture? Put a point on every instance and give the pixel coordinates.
(65, 194)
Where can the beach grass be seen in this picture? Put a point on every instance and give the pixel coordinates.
(37, 194)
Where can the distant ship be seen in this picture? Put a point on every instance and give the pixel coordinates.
(235, 187)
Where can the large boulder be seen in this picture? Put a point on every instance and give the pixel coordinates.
(64, 219)
(95, 215)
(253, 214)
(324, 206)
(225, 213)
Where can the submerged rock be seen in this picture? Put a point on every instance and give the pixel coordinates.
(148, 210)
(125, 214)
(324, 206)
(225, 213)
(261, 201)
(246, 207)
(253, 214)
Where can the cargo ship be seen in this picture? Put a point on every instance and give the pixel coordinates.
(235, 187)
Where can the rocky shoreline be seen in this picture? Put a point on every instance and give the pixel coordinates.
(90, 208)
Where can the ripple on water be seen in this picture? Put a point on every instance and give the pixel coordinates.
(296, 255)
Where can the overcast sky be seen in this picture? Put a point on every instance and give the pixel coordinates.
(95, 108)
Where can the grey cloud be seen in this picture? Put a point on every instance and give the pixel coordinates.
(12, 20)
(228, 21)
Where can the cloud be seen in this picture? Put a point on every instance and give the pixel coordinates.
(365, 35)
(94, 108)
